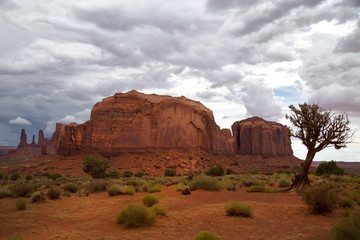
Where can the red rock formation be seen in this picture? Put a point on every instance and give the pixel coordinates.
(23, 139)
(255, 136)
(137, 122)
(28, 151)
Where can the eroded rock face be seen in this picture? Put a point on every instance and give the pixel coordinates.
(23, 139)
(137, 122)
(255, 136)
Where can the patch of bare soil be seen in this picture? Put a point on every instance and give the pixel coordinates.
(276, 216)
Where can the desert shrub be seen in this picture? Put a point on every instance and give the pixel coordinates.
(235, 208)
(114, 174)
(127, 173)
(66, 194)
(38, 196)
(97, 185)
(28, 177)
(114, 190)
(71, 187)
(150, 200)
(205, 182)
(54, 176)
(155, 188)
(320, 199)
(23, 190)
(159, 210)
(284, 182)
(229, 171)
(180, 187)
(170, 172)
(347, 203)
(271, 183)
(353, 194)
(2, 176)
(15, 176)
(129, 190)
(258, 189)
(135, 215)
(139, 174)
(347, 228)
(4, 192)
(251, 182)
(206, 236)
(329, 168)
(21, 204)
(53, 193)
(255, 172)
(216, 171)
(95, 166)
(82, 193)
(227, 185)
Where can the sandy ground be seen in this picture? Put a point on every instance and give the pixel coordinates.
(276, 216)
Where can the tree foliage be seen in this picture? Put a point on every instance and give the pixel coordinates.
(95, 166)
(329, 168)
(317, 129)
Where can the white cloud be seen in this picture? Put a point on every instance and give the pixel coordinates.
(19, 121)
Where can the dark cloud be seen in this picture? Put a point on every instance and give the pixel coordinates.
(351, 42)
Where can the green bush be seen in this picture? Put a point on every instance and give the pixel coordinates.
(329, 168)
(347, 203)
(170, 172)
(114, 174)
(227, 185)
(97, 185)
(21, 204)
(229, 171)
(95, 166)
(82, 193)
(159, 210)
(320, 199)
(15, 176)
(38, 196)
(251, 182)
(155, 188)
(114, 190)
(4, 192)
(66, 194)
(235, 208)
(353, 194)
(127, 173)
(255, 172)
(23, 190)
(135, 215)
(347, 228)
(216, 171)
(139, 174)
(129, 190)
(28, 177)
(206, 236)
(53, 193)
(258, 189)
(71, 187)
(2, 176)
(150, 200)
(180, 187)
(284, 182)
(205, 182)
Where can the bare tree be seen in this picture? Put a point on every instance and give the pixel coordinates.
(317, 128)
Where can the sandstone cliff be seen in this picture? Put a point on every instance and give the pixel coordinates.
(137, 122)
(255, 136)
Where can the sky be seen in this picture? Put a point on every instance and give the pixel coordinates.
(240, 58)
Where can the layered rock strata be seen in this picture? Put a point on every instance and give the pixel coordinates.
(255, 136)
(137, 122)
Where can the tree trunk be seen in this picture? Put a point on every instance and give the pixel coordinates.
(302, 177)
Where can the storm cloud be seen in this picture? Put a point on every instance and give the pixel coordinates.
(58, 58)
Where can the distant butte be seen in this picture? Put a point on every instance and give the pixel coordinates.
(155, 132)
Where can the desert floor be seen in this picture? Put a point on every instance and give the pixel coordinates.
(276, 216)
